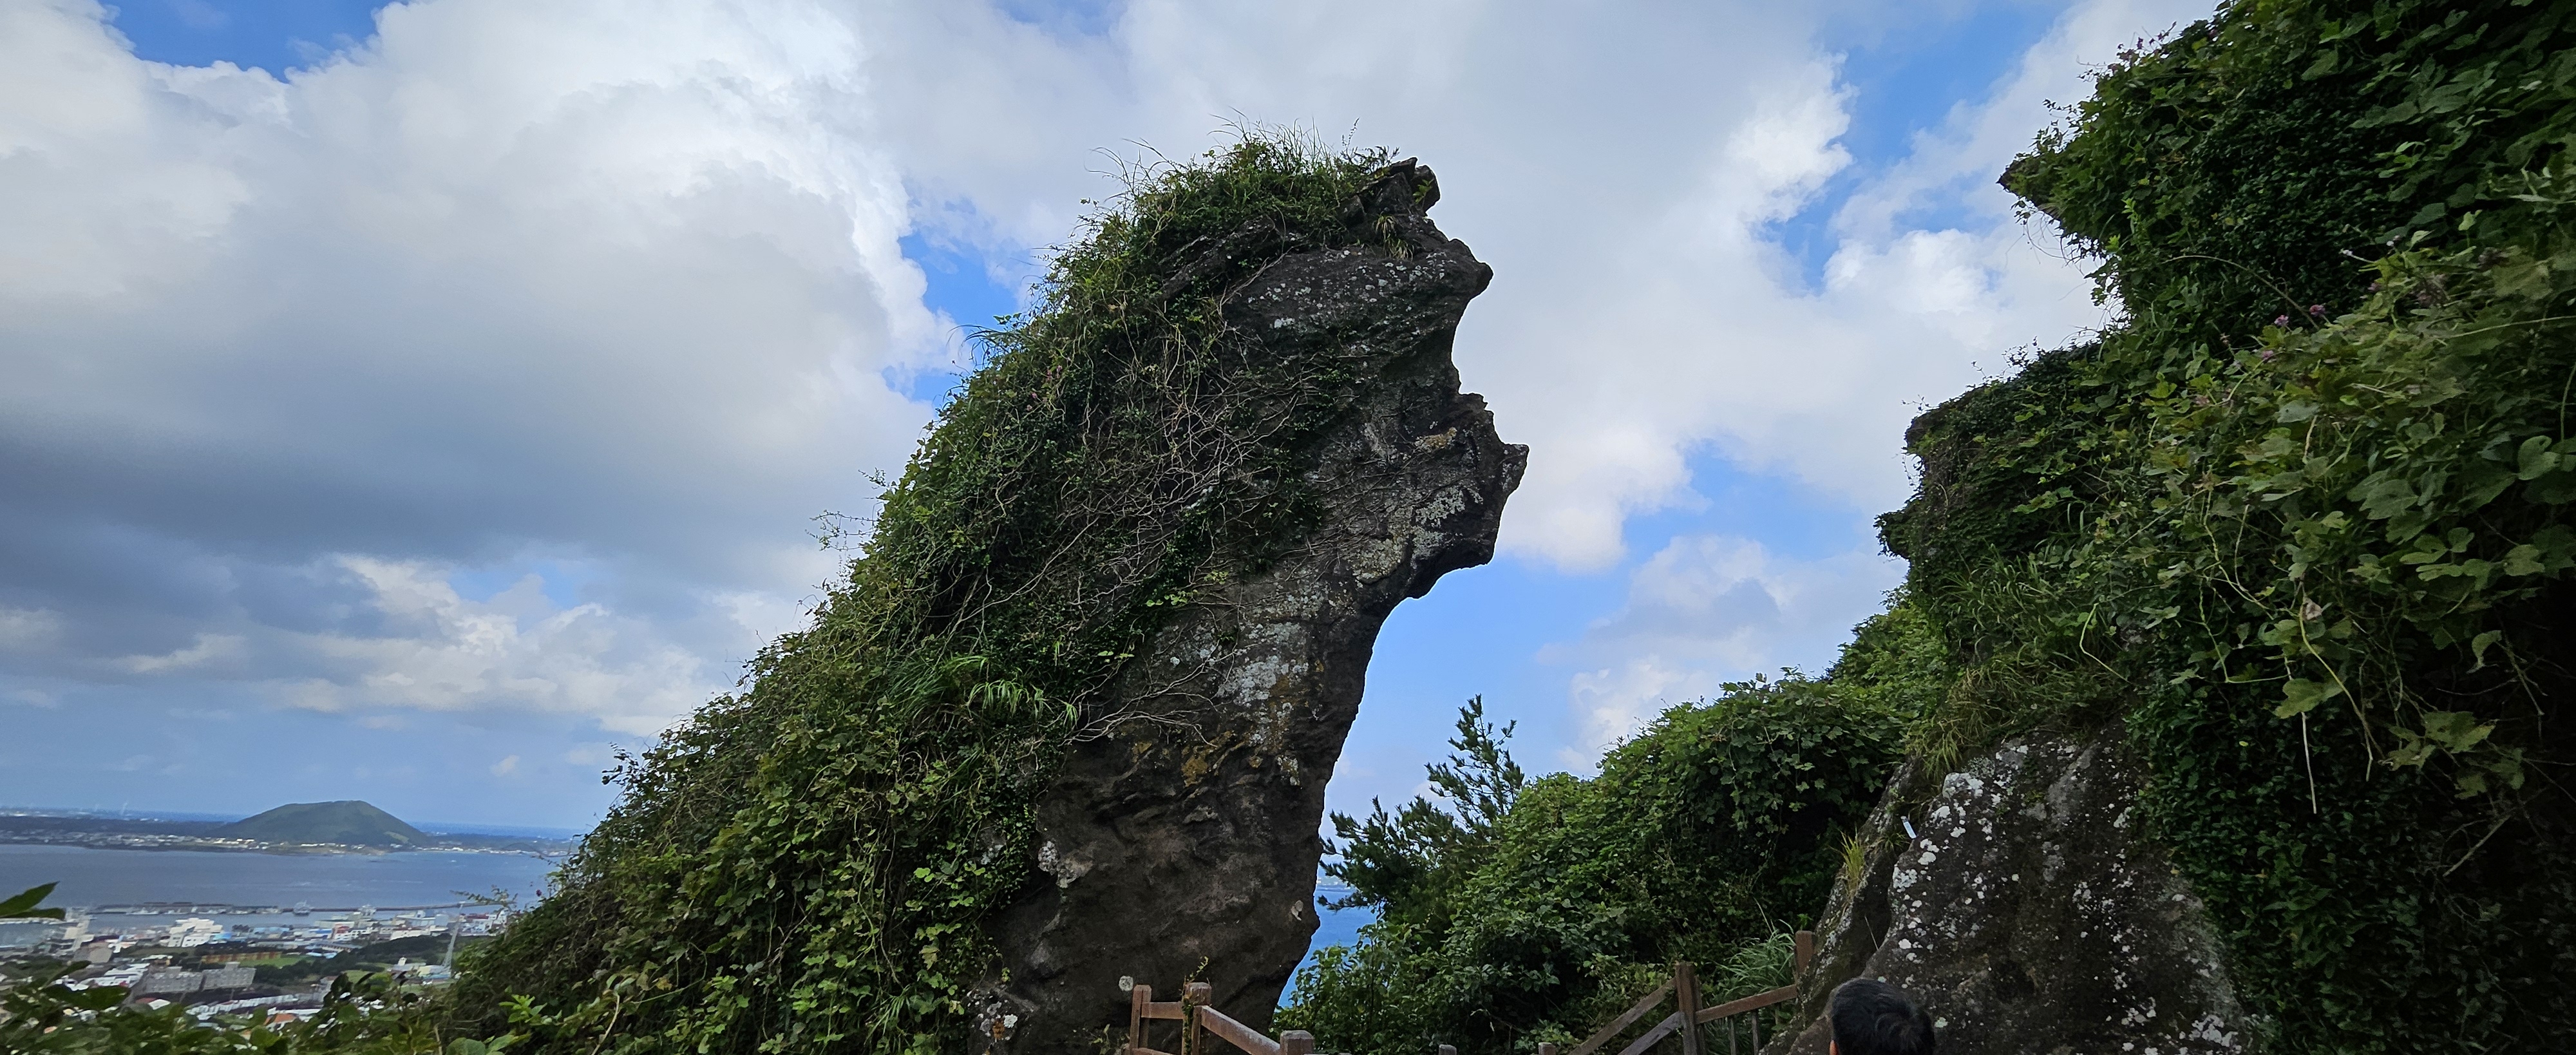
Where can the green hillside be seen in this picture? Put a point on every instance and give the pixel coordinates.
(349, 823)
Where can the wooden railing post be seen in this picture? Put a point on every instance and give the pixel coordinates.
(1686, 988)
(1296, 1042)
(1545, 1048)
(1137, 998)
(1805, 943)
(1194, 996)
(1448, 1049)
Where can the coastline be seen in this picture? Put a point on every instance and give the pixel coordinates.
(151, 844)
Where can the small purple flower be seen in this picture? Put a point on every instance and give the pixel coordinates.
(2316, 309)
(2268, 353)
(2280, 320)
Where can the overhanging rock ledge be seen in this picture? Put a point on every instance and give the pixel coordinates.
(1182, 831)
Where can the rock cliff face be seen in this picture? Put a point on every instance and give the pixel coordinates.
(1180, 839)
(2019, 904)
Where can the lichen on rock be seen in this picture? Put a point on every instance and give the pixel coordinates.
(2017, 901)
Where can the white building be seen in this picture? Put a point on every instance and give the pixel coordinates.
(194, 931)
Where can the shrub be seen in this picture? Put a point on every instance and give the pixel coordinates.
(1529, 911)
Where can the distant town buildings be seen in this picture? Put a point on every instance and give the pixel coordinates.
(210, 965)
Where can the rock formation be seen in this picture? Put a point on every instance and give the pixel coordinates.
(2020, 904)
(1180, 839)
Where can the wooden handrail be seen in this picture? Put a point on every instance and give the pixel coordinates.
(1626, 1019)
(1195, 1016)
(1649, 1038)
(1236, 1033)
(1755, 1002)
(1225, 1028)
(1690, 1016)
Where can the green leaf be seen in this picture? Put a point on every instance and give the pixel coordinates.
(23, 906)
(2456, 731)
(2301, 696)
(2535, 460)
(2527, 279)
(96, 998)
(2479, 645)
(2383, 494)
(2523, 560)
(2554, 489)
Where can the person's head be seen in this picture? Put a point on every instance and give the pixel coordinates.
(1871, 1017)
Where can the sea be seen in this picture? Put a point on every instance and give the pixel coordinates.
(91, 878)
(1332, 927)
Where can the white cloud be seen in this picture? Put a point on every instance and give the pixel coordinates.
(509, 764)
(28, 629)
(438, 651)
(1708, 609)
(1612, 702)
(618, 283)
(1691, 334)
(1959, 161)
(578, 280)
(1617, 166)
(208, 648)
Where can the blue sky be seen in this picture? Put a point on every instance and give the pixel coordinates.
(444, 406)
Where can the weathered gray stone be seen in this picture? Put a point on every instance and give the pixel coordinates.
(2017, 901)
(1180, 840)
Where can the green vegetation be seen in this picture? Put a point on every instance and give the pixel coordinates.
(1532, 911)
(349, 823)
(807, 865)
(302, 970)
(2302, 516)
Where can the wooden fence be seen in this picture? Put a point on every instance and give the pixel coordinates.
(1688, 1016)
(1199, 1022)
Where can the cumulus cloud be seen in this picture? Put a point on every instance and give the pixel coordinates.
(1698, 336)
(1707, 609)
(577, 281)
(615, 289)
(435, 650)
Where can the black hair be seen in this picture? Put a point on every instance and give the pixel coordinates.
(1871, 1017)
